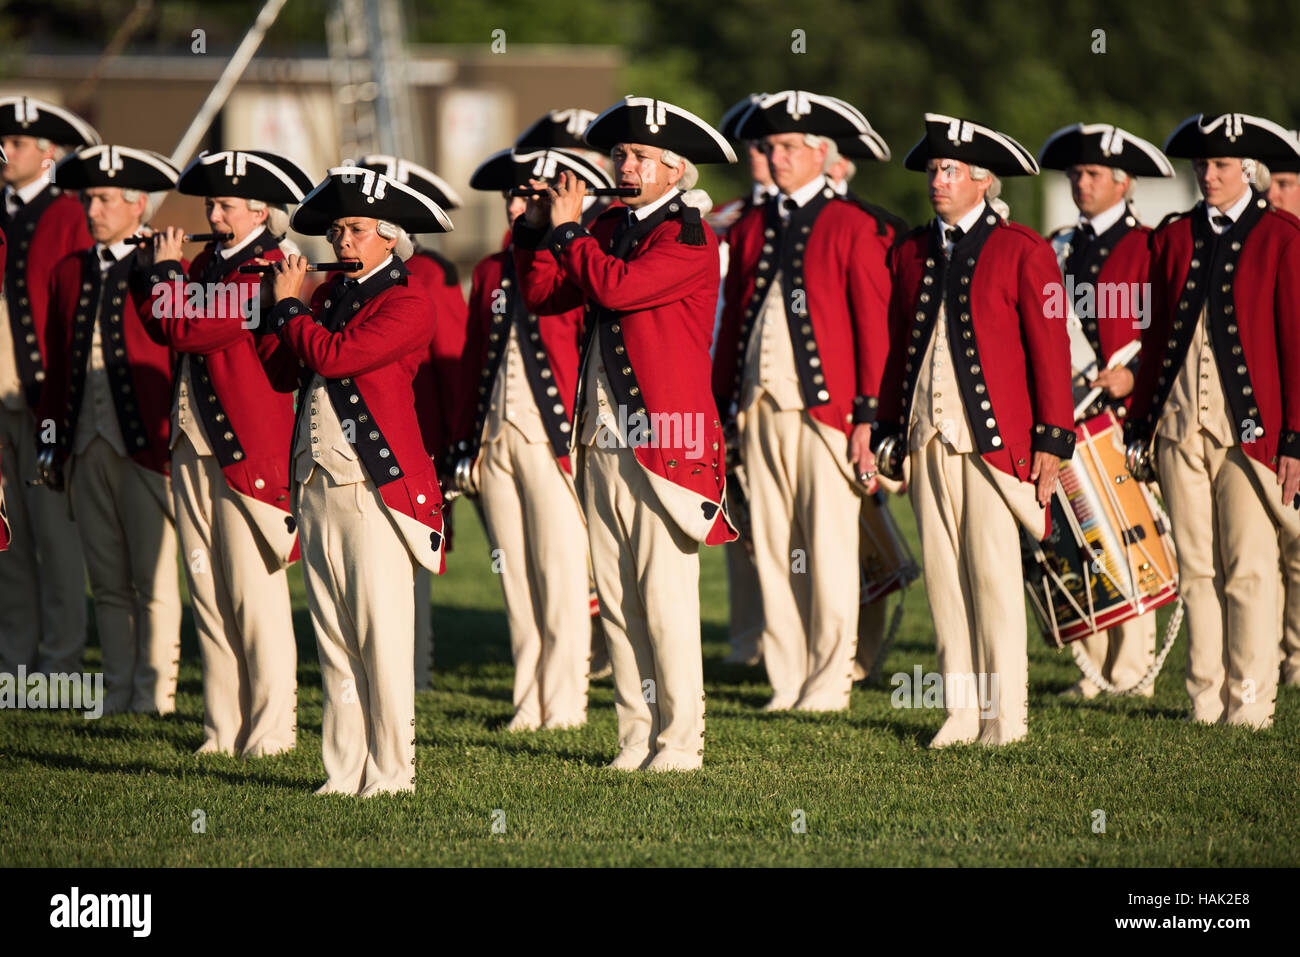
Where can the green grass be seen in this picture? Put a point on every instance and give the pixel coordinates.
(120, 791)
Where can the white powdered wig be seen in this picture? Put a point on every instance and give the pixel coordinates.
(833, 156)
(277, 217)
(1119, 176)
(404, 248)
(1257, 174)
(690, 177)
(832, 151)
(154, 200)
(999, 206)
(698, 199)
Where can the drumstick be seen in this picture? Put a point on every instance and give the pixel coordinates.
(347, 265)
(1121, 356)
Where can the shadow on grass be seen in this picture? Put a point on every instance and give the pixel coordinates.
(194, 767)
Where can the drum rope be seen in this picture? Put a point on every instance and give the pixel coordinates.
(1093, 673)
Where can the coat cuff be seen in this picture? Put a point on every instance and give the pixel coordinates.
(169, 270)
(864, 409)
(1055, 439)
(1289, 445)
(564, 234)
(283, 311)
(527, 237)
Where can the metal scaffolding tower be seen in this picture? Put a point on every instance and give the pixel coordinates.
(369, 73)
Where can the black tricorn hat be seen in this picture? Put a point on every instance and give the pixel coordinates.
(868, 146)
(27, 116)
(727, 126)
(642, 119)
(121, 166)
(506, 169)
(562, 128)
(415, 176)
(1100, 144)
(1289, 165)
(950, 137)
(251, 174)
(798, 111)
(1232, 134)
(353, 191)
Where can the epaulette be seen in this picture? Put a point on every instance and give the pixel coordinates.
(692, 231)
(1020, 228)
(1173, 216)
(883, 217)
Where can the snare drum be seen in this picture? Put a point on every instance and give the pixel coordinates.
(885, 561)
(1110, 555)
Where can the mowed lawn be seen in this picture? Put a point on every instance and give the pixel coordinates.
(123, 791)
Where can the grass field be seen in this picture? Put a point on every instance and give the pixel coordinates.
(122, 791)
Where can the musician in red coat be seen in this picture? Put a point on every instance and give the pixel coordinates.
(364, 489)
(744, 595)
(649, 442)
(801, 349)
(438, 379)
(977, 393)
(1219, 393)
(229, 430)
(1284, 194)
(518, 400)
(43, 576)
(108, 386)
(1104, 260)
(873, 618)
(4, 516)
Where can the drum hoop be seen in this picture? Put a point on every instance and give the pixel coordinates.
(1050, 573)
(1156, 512)
(1077, 529)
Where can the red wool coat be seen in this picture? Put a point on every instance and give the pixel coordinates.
(369, 366)
(1121, 255)
(139, 368)
(4, 519)
(1248, 279)
(651, 312)
(1012, 362)
(494, 302)
(438, 383)
(247, 421)
(42, 233)
(830, 250)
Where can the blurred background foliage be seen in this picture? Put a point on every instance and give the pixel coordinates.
(1025, 68)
